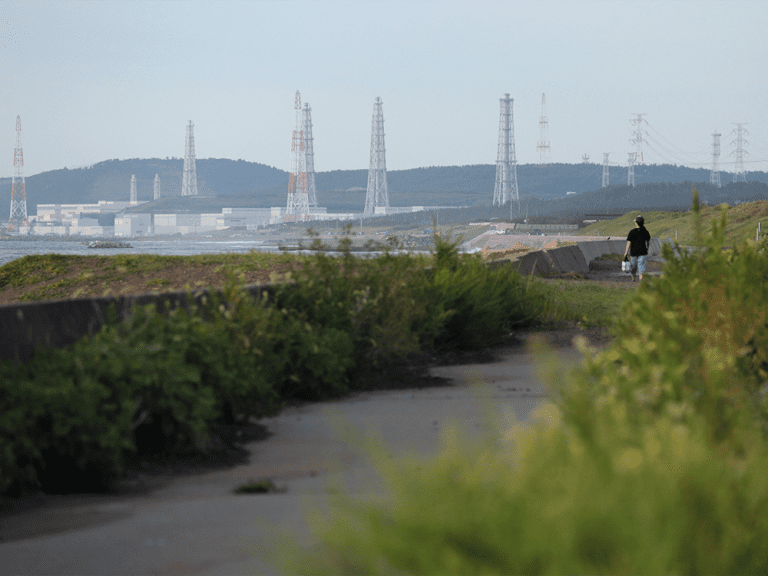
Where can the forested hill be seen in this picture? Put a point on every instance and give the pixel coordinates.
(248, 183)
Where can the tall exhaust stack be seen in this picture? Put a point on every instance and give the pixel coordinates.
(18, 187)
(377, 194)
(505, 189)
(298, 195)
(134, 195)
(189, 178)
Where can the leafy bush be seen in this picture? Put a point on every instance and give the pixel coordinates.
(480, 304)
(157, 384)
(162, 383)
(651, 458)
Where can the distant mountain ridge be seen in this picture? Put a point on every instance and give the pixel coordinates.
(237, 182)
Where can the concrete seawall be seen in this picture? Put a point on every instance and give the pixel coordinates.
(59, 323)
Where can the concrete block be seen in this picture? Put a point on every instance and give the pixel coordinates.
(596, 248)
(568, 259)
(536, 263)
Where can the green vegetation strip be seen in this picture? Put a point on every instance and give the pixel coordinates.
(47, 276)
(741, 223)
(651, 457)
(157, 384)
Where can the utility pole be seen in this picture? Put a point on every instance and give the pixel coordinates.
(505, 189)
(18, 187)
(631, 170)
(739, 175)
(714, 174)
(543, 145)
(606, 180)
(298, 196)
(638, 139)
(377, 194)
(189, 176)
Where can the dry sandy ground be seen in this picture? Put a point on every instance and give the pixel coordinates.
(189, 521)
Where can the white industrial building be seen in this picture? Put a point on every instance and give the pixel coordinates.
(129, 225)
(61, 212)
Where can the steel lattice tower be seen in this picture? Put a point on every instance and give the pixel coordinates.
(310, 156)
(543, 146)
(714, 174)
(631, 169)
(606, 179)
(506, 162)
(157, 187)
(189, 178)
(18, 187)
(638, 139)
(298, 196)
(739, 174)
(376, 195)
(134, 195)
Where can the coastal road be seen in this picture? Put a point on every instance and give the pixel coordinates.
(196, 524)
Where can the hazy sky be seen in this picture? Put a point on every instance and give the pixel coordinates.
(100, 80)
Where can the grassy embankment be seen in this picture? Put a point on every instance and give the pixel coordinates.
(741, 223)
(70, 419)
(650, 458)
(57, 276)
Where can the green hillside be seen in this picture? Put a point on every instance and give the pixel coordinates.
(742, 223)
(543, 189)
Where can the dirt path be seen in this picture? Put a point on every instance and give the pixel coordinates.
(196, 524)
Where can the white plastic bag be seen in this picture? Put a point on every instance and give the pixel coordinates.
(626, 266)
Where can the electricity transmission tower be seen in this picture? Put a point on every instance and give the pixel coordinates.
(505, 189)
(18, 187)
(376, 195)
(189, 177)
(310, 156)
(543, 145)
(739, 174)
(606, 179)
(134, 195)
(638, 139)
(714, 174)
(631, 169)
(298, 197)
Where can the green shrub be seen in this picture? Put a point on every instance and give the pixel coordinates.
(162, 383)
(651, 459)
(479, 304)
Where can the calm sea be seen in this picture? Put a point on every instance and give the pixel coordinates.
(12, 249)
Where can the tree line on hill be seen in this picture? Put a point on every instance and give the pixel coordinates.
(223, 182)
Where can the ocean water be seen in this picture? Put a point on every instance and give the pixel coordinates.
(13, 249)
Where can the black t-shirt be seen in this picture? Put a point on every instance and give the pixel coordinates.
(638, 238)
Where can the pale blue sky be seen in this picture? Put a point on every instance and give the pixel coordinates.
(100, 80)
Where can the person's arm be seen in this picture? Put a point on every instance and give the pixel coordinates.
(626, 250)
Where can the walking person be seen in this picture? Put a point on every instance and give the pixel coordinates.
(638, 242)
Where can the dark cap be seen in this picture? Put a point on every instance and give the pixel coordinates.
(640, 220)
